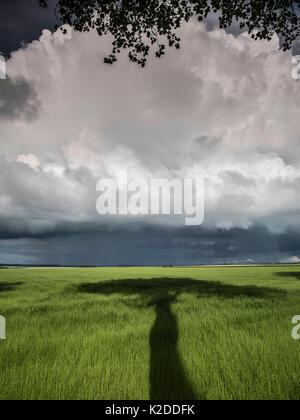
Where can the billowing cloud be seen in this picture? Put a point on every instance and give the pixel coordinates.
(291, 260)
(224, 108)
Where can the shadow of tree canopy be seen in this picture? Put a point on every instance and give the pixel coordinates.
(149, 289)
(8, 287)
(168, 380)
(294, 274)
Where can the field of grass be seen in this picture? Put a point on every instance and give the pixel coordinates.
(150, 333)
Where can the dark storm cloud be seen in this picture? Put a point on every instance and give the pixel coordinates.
(22, 21)
(212, 22)
(296, 47)
(17, 100)
(93, 245)
(49, 169)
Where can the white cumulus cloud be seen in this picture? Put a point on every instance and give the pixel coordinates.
(224, 108)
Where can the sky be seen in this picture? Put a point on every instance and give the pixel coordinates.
(224, 108)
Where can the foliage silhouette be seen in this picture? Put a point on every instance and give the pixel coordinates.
(168, 380)
(138, 25)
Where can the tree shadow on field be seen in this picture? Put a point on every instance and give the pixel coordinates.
(168, 380)
(294, 274)
(8, 287)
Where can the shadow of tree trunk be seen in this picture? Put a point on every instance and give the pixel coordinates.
(168, 380)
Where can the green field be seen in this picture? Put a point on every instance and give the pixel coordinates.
(150, 333)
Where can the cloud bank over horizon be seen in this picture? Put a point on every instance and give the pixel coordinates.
(224, 108)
